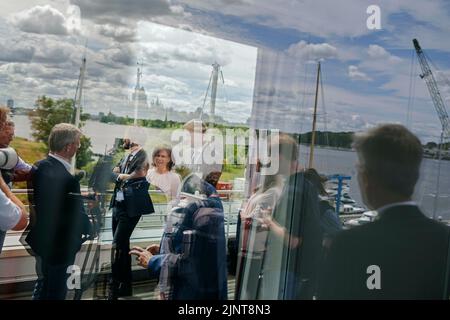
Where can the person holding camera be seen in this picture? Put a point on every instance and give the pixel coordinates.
(13, 215)
(21, 171)
(129, 201)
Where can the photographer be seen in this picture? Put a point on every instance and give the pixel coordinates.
(21, 171)
(12, 211)
(13, 215)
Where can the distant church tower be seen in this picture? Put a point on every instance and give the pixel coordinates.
(139, 98)
(157, 109)
(10, 104)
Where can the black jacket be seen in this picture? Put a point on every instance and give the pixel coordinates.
(410, 249)
(298, 211)
(58, 219)
(137, 161)
(137, 200)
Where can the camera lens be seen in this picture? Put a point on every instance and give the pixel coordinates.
(8, 158)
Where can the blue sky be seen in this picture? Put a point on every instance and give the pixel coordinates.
(366, 73)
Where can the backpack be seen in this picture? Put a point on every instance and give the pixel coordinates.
(202, 272)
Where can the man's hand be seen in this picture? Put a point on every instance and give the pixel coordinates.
(23, 221)
(153, 249)
(142, 256)
(123, 176)
(21, 175)
(116, 170)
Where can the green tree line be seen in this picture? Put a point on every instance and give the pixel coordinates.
(49, 112)
(342, 140)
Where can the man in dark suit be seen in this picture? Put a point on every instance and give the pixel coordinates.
(58, 220)
(133, 165)
(401, 255)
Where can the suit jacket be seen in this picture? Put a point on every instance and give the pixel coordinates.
(137, 200)
(58, 219)
(410, 249)
(137, 161)
(193, 268)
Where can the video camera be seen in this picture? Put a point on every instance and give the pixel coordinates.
(8, 158)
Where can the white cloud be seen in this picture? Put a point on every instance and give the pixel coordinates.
(73, 21)
(327, 18)
(312, 51)
(177, 70)
(117, 56)
(378, 52)
(355, 74)
(118, 33)
(41, 19)
(321, 18)
(112, 10)
(161, 43)
(44, 49)
(16, 52)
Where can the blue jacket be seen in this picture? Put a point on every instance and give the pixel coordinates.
(192, 261)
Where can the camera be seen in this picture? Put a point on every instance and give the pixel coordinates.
(8, 158)
(118, 143)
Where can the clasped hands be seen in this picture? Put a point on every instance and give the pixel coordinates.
(143, 256)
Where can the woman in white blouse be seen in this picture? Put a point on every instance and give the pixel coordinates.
(162, 176)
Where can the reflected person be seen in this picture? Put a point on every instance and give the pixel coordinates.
(402, 254)
(58, 220)
(133, 165)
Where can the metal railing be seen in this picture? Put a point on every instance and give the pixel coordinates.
(153, 222)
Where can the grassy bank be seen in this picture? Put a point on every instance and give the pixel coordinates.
(30, 152)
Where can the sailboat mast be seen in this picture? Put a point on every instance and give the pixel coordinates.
(215, 78)
(78, 96)
(137, 93)
(79, 93)
(313, 132)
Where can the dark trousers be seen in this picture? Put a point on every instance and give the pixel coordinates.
(122, 227)
(52, 280)
(2, 239)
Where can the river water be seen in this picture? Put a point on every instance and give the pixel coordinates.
(326, 161)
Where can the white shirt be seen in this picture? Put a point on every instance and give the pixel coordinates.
(66, 165)
(9, 213)
(168, 182)
(129, 158)
(22, 165)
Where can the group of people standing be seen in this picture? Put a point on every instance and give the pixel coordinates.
(128, 207)
(193, 232)
(291, 244)
(58, 223)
